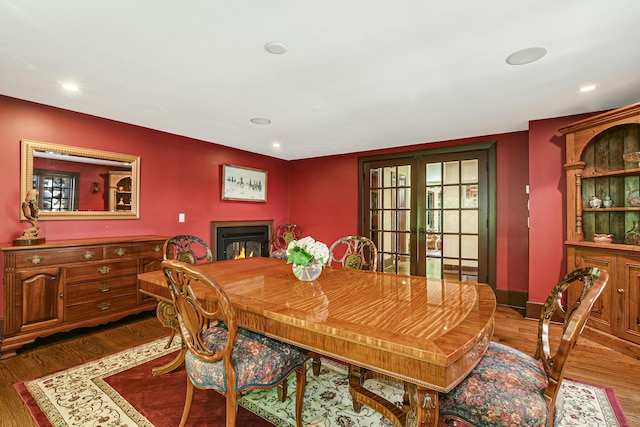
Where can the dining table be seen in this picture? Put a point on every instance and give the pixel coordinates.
(424, 333)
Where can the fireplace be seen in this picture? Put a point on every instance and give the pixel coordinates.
(240, 239)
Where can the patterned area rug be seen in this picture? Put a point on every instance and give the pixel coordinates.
(84, 396)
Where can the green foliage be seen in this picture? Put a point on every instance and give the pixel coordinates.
(298, 256)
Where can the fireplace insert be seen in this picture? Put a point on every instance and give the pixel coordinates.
(242, 242)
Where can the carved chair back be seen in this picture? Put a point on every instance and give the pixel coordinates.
(281, 237)
(590, 282)
(355, 252)
(187, 248)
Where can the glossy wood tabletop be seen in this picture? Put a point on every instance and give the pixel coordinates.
(429, 332)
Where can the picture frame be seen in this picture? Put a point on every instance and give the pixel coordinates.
(243, 183)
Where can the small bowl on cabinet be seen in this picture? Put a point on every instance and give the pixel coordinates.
(603, 238)
(632, 157)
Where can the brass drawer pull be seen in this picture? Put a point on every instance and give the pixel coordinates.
(157, 248)
(104, 288)
(620, 291)
(120, 251)
(104, 306)
(88, 255)
(104, 270)
(36, 259)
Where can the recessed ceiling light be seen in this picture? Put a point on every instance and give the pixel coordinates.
(71, 87)
(276, 145)
(260, 121)
(277, 48)
(587, 88)
(526, 56)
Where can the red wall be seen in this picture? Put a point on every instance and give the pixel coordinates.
(181, 174)
(177, 175)
(547, 262)
(323, 194)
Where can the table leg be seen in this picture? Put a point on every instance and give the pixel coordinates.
(361, 396)
(166, 314)
(420, 405)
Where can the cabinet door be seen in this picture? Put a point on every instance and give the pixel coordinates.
(42, 298)
(627, 296)
(601, 314)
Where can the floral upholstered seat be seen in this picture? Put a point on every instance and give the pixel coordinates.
(258, 360)
(510, 388)
(506, 388)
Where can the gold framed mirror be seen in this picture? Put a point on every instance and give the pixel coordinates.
(79, 183)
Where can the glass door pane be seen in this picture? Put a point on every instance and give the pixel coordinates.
(389, 217)
(452, 218)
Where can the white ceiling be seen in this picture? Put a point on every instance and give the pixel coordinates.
(357, 76)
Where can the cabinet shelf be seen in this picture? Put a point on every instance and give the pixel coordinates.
(613, 209)
(621, 172)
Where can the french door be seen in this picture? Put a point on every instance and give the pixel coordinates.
(429, 214)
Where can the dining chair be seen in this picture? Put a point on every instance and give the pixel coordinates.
(283, 234)
(224, 357)
(185, 248)
(355, 252)
(509, 387)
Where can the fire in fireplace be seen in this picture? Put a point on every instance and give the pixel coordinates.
(240, 240)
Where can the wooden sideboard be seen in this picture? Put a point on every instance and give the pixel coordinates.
(63, 285)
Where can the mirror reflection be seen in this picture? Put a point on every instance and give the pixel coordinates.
(80, 183)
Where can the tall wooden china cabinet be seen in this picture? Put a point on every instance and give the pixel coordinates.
(603, 214)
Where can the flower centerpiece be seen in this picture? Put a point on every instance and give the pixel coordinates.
(308, 257)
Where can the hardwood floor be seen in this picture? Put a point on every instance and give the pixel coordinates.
(589, 362)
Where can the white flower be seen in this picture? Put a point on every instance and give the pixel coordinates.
(306, 251)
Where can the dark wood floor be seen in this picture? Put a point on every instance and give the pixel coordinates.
(589, 362)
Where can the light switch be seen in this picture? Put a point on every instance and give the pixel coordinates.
(180, 217)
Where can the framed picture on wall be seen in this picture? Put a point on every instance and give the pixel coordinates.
(245, 184)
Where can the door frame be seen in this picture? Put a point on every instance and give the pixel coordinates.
(490, 148)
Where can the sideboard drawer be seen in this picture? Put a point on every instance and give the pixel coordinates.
(101, 270)
(98, 308)
(47, 257)
(101, 289)
(151, 249)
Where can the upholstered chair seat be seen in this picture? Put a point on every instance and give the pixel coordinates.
(258, 360)
(506, 388)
